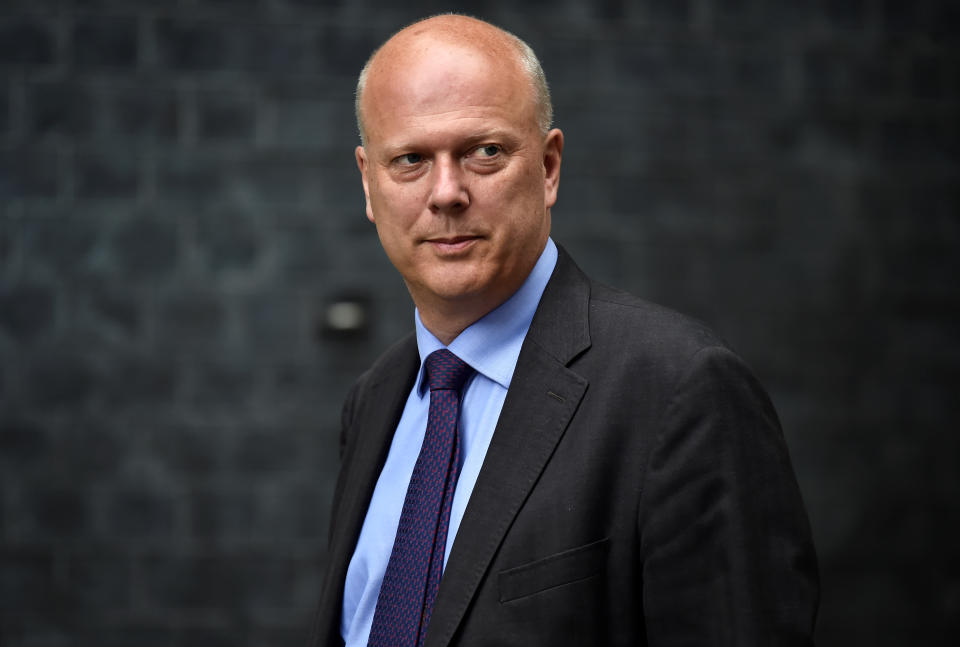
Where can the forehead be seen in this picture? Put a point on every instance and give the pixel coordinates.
(421, 80)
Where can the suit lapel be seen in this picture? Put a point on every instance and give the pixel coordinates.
(543, 396)
(373, 426)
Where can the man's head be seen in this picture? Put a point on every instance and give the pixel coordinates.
(459, 166)
(528, 59)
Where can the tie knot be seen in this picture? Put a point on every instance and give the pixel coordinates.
(444, 370)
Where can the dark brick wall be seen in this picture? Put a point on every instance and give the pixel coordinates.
(179, 207)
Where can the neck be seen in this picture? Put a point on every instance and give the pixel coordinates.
(446, 321)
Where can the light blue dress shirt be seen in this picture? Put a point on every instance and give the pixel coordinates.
(491, 346)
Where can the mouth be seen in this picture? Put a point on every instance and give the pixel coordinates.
(451, 244)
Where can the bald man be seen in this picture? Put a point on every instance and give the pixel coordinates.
(617, 477)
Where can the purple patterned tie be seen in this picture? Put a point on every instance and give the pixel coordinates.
(412, 577)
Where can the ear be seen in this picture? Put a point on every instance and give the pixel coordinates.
(363, 164)
(552, 156)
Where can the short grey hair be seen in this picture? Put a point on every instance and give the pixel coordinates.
(528, 60)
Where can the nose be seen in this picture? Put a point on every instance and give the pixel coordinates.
(449, 191)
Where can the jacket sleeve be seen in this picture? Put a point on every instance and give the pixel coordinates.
(727, 555)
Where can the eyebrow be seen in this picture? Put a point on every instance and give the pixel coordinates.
(498, 135)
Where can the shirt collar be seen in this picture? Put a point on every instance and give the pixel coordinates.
(491, 345)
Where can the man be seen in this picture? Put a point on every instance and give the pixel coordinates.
(611, 475)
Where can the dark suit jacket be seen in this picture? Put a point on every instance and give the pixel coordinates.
(637, 490)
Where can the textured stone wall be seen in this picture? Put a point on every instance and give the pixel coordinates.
(179, 210)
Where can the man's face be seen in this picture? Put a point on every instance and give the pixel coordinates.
(458, 178)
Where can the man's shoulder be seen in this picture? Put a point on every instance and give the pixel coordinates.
(616, 318)
(399, 358)
(606, 331)
(631, 320)
(654, 348)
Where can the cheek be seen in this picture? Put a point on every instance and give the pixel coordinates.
(392, 207)
(507, 198)
(396, 213)
(523, 200)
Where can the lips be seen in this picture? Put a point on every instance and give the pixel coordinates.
(451, 244)
(451, 240)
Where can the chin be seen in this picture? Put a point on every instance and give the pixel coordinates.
(457, 286)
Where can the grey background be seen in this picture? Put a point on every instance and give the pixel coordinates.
(179, 205)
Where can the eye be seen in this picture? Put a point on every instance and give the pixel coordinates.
(488, 150)
(409, 159)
